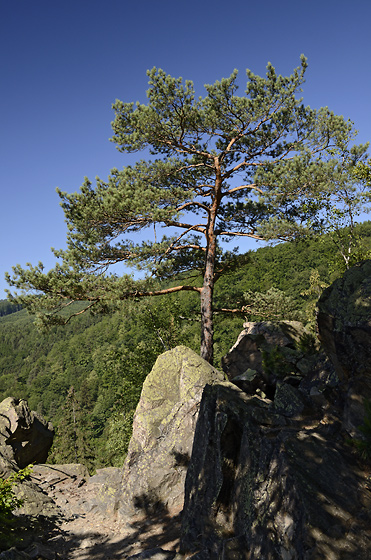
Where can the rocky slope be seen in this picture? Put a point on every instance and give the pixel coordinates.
(269, 468)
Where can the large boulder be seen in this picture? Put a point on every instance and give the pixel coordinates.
(344, 326)
(262, 486)
(344, 321)
(163, 428)
(25, 437)
(259, 340)
(271, 359)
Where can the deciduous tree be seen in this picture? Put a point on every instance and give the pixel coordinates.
(347, 196)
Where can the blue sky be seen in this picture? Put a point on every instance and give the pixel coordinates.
(63, 64)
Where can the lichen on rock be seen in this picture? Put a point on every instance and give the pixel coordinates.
(163, 429)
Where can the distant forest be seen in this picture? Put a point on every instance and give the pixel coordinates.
(86, 377)
(7, 307)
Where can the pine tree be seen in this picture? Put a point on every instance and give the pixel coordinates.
(71, 443)
(221, 167)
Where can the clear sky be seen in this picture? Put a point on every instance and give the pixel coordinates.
(64, 62)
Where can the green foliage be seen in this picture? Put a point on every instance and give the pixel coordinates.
(316, 287)
(307, 344)
(71, 443)
(352, 249)
(8, 500)
(274, 304)
(259, 165)
(6, 308)
(117, 436)
(348, 197)
(106, 358)
(275, 363)
(362, 172)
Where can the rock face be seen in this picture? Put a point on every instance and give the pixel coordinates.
(261, 464)
(262, 486)
(344, 326)
(267, 352)
(344, 322)
(247, 352)
(275, 478)
(163, 429)
(281, 362)
(25, 437)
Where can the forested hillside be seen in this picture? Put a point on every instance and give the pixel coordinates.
(7, 307)
(86, 377)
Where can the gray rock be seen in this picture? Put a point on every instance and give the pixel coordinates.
(344, 326)
(288, 400)
(163, 428)
(247, 352)
(25, 437)
(256, 491)
(106, 487)
(39, 550)
(14, 554)
(266, 353)
(35, 501)
(344, 322)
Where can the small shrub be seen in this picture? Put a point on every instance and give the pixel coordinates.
(8, 500)
(275, 363)
(307, 344)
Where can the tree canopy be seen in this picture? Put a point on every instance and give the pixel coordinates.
(217, 168)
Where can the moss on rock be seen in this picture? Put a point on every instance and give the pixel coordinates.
(163, 431)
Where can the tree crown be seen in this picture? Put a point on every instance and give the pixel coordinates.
(220, 167)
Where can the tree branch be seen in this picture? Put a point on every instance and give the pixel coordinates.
(193, 203)
(198, 227)
(253, 235)
(242, 187)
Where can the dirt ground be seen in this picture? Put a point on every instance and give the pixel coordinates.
(83, 532)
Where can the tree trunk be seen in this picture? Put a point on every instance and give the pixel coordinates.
(207, 292)
(207, 322)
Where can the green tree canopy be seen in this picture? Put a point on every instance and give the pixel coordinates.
(347, 196)
(218, 167)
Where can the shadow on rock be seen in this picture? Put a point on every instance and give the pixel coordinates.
(152, 534)
(263, 486)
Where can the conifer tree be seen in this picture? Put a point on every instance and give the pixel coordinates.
(71, 445)
(219, 167)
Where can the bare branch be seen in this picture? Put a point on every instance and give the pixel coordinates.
(235, 233)
(77, 312)
(172, 246)
(242, 187)
(162, 292)
(198, 227)
(189, 246)
(193, 203)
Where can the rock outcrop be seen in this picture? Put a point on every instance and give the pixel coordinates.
(265, 353)
(262, 486)
(272, 474)
(344, 326)
(163, 429)
(281, 362)
(344, 322)
(25, 437)
(258, 338)
(261, 466)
